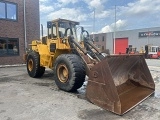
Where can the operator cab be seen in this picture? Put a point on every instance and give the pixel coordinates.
(61, 28)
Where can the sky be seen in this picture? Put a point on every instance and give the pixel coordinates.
(127, 14)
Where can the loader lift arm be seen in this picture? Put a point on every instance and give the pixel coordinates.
(87, 50)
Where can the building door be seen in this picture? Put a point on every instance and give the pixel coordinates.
(120, 45)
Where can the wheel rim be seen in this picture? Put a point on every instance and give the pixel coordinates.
(30, 64)
(62, 72)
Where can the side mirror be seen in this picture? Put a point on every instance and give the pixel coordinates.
(82, 29)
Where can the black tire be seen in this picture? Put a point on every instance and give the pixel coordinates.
(33, 65)
(69, 72)
(41, 71)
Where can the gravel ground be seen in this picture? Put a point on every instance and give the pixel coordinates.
(25, 98)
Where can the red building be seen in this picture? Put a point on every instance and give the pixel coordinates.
(19, 25)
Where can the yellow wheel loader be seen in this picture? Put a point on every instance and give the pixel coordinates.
(115, 82)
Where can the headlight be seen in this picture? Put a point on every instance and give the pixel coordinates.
(64, 41)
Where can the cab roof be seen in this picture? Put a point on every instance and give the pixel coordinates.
(64, 20)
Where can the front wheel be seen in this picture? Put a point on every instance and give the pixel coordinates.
(69, 72)
(33, 65)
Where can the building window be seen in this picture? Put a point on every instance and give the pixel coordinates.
(103, 38)
(2, 10)
(9, 46)
(102, 47)
(99, 46)
(96, 39)
(8, 11)
(11, 11)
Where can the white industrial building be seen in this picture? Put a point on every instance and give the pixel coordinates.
(137, 38)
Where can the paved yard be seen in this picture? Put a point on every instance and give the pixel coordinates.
(25, 98)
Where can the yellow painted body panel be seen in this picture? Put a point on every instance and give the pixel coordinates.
(47, 58)
(59, 44)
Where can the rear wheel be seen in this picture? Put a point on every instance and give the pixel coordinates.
(69, 72)
(33, 65)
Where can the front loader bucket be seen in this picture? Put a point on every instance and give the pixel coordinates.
(120, 82)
